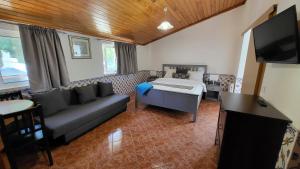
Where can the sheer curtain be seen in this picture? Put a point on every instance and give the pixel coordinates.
(44, 57)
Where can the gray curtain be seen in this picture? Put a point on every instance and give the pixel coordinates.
(126, 57)
(44, 57)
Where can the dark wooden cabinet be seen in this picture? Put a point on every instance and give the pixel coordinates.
(249, 136)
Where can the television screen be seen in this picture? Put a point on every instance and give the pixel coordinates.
(277, 40)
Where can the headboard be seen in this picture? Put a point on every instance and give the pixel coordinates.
(189, 67)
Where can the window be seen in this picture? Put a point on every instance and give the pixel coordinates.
(109, 58)
(12, 64)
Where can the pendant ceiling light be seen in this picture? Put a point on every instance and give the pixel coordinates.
(165, 25)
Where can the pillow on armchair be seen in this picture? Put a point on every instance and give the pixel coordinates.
(105, 89)
(51, 101)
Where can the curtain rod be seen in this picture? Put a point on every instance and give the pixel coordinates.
(17, 24)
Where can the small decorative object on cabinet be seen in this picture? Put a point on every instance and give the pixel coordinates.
(249, 135)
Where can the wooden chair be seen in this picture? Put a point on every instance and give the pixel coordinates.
(29, 131)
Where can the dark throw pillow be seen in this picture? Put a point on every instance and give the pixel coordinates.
(180, 75)
(105, 89)
(85, 94)
(181, 70)
(51, 101)
(70, 96)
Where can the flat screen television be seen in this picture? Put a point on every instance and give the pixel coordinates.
(277, 40)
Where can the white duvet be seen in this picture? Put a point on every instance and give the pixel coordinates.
(197, 87)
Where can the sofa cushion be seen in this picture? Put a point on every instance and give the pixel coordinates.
(51, 101)
(95, 88)
(70, 96)
(78, 115)
(85, 94)
(105, 89)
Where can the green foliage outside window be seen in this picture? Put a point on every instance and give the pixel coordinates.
(13, 47)
(110, 59)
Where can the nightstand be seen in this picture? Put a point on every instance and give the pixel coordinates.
(212, 91)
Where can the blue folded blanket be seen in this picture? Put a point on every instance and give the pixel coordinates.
(143, 88)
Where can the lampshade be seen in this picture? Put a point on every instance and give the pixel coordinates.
(165, 25)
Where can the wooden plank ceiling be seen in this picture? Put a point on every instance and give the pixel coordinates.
(133, 21)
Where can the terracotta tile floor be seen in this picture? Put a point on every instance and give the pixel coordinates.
(147, 138)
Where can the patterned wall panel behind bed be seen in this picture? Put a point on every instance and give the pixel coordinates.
(122, 84)
(226, 81)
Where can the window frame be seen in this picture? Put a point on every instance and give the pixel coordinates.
(103, 44)
(12, 85)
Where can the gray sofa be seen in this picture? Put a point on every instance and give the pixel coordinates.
(73, 119)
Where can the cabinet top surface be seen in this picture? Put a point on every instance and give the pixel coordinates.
(248, 104)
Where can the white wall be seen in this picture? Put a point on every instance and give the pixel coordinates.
(83, 68)
(144, 58)
(281, 84)
(253, 9)
(215, 42)
(89, 68)
(251, 69)
(244, 54)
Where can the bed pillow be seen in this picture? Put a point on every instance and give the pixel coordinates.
(105, 89)
(181, 70)
(196, 75)
(51, 101)
(169, 73)
(85, 94)
(180, 75)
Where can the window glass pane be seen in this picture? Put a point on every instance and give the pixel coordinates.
(12, 64)
(109, 58)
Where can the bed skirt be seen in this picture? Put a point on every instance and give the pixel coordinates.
(171, 100)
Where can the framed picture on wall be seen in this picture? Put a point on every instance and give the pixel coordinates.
(80, 47)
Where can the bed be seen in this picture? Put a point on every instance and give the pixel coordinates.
(178, 94)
